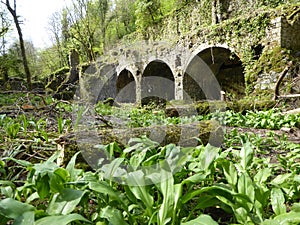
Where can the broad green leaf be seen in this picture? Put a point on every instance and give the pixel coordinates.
(27, 218)
(130, 195)
(196, 178)
(74, 173)
(61, 219)
(262, 194)
(147, 142)
(58, 179)
(241, 215)
(65, 202)
(113, 169)
(11, 208)
(230, 172)
(133, 148)
(270, 222)
(243, 201)
(296, 207)
(246, 155)
(142, 193)
(245, 187)
(213, 191)
(278, 201)
(262, 175)
(297, 178)
(7, 183)
(45, 168)
(7, 191)
(280, 179)
(201, 220)
(226, 201)
(114, 216)
(207, 201)
(112, 148)
(177, 194)
(32, 197)
(166, 187)
(259, 211)
(103, 188)
(175, 158)
(284, 219)
(42, 186)
(137, 159)
(19, 161)
(140, 190)
(208, 156)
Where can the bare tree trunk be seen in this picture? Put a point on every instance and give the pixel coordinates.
(22, 46)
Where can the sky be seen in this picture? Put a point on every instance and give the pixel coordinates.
(36, 14)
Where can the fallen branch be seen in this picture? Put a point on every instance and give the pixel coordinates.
(284, 72)
(289, 96)
(294, 111)
(23, 92)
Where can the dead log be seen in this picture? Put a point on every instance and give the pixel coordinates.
(185, 135)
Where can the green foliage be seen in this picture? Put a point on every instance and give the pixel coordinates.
(244, 186)
(147, 13)
(251, 179)
(11, 63)
(272, 3)
(270, 119)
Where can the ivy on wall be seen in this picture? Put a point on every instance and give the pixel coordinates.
(245, 33)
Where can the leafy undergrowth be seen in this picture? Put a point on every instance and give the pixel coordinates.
(241, 187)
(250, 179)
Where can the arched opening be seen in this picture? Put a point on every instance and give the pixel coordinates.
(226, 69)
(126, 87)
(158, 81)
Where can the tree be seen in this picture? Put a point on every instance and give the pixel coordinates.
(147, 13)
(3, 56)
(11, 64)
(88, 24)
(60, 32)
(124, 12)
(13, 12)
(4, 24)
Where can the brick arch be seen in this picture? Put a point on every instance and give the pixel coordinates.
(126, 86)
(211, 70)
(158, 80)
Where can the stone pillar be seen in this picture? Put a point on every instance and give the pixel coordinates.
(179, 85)
(138, 87)
(273, 32)
(74, 61)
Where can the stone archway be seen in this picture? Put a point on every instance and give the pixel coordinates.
(126, 87)
(158, 80)
(221, 63)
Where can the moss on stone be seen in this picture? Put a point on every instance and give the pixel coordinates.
(273, 60)
(206, 107)
(244, 105)
(56, 78)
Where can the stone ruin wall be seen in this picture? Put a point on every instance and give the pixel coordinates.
(282, 30)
